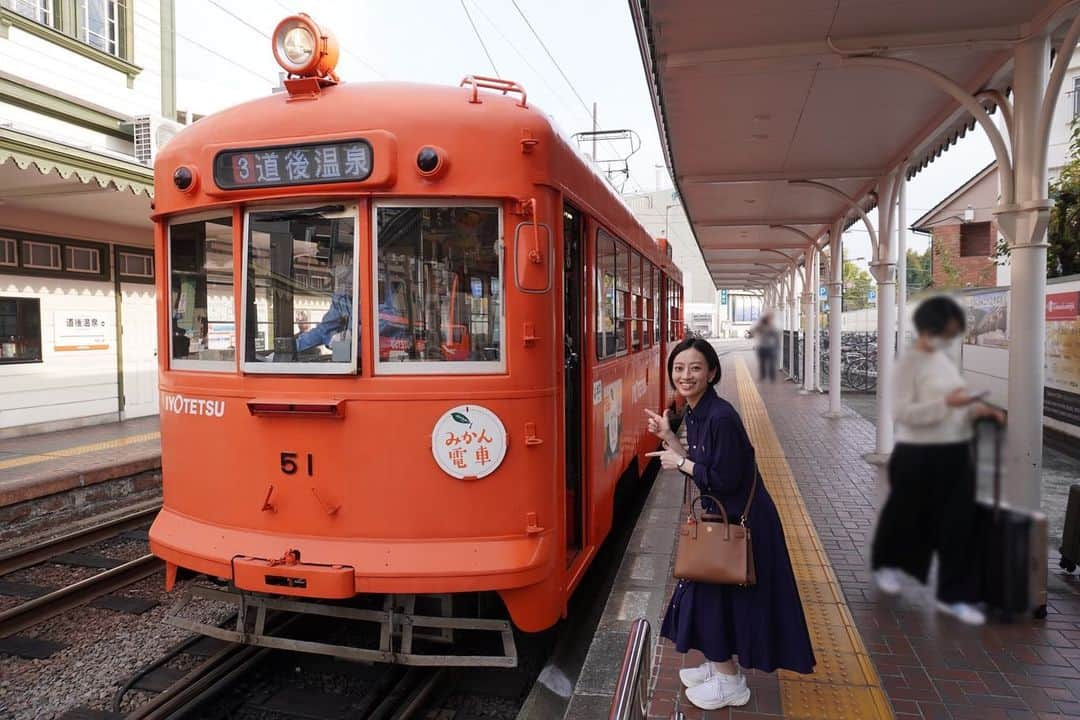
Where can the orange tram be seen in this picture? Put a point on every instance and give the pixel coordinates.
(408, 338)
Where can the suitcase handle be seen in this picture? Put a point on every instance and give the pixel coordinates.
(996, 429)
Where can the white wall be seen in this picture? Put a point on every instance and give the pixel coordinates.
(67, 384)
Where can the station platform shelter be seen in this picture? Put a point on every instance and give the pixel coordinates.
(878, 656)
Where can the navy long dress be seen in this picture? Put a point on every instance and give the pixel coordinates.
(762, 624)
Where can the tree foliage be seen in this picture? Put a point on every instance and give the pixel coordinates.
(919, 271)
(857, 285)
(1063, 233)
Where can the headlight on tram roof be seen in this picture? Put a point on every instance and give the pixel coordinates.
(302, 47)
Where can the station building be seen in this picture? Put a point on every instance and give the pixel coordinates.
(87, 94)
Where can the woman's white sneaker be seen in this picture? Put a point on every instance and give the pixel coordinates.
(888, 580)
(963, 612)
(720, 691)
(692, 677)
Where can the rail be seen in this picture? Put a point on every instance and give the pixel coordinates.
(631, 700)
(40, 552)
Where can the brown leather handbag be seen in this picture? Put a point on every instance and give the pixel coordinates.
(713, 550)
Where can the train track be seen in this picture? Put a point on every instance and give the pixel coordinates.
(40, 552)
(42, 608)
(395, 695)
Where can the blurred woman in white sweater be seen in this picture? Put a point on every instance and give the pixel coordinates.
(931, 504)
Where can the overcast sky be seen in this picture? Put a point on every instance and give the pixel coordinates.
(224, 57)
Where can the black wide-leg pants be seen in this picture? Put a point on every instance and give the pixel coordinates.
(931, 508)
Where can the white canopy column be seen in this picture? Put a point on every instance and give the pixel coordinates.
(883, 269)
(836, 299)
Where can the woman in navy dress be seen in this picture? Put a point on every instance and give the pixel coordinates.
(761, 625)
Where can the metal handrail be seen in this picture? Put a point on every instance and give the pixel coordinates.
(631, 700)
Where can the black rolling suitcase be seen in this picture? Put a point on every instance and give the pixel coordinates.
(1070, 536)
(1012, 540)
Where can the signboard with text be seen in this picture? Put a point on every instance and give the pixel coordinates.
(332, 162)
(82, 330)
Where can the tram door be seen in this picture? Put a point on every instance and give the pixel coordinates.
(573, 300)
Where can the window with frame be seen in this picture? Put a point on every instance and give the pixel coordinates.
(301, 307)
(39, 255)
(135, 266)
(623, 310)
(658, 315)
(40, 11)
(1076, 97)
(9, 252)
(607, 297)
(637, 312)
(647, 311)
(674, 315)
(20, 330)
(203, 335)
(82, 260)
(975, 239)
(104, 25)
(100, 24)
(438, 288)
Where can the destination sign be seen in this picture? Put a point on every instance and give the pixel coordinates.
(332, 162)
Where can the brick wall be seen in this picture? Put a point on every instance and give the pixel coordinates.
(975, 271)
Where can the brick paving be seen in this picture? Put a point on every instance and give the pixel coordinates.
(931, 666)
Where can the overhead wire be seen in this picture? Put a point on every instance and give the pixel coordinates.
(229, 60)
(540, 40)
(479, 38)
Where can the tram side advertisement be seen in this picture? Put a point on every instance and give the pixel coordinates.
(1061, 392)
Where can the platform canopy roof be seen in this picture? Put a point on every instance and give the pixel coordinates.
(751, 95)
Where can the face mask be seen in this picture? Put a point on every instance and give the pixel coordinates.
(940, 343)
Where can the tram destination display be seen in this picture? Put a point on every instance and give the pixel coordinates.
(331, 162)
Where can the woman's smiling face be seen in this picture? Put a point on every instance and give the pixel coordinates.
(690, 373)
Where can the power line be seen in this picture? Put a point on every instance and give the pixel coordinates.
(227, 59)
(477, 32)
(573, 89)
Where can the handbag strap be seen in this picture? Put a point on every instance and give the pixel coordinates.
(750, 498)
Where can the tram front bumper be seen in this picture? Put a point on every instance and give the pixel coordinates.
(327, 566)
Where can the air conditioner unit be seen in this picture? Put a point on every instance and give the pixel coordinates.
(151, 134)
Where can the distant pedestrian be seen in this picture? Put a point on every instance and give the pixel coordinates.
(768, 345)
(762, 625)
(931, 503)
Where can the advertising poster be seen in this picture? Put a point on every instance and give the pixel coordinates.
(75, 330)
(987, 318)
(1061, 393)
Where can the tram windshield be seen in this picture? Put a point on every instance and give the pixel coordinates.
(300, 304)
(202, 335)
(438, 289)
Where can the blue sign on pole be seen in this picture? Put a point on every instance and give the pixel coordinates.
(872, 295)
(723, 297)
(823, 292)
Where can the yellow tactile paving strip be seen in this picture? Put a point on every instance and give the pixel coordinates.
(845, 683)
(78, 450)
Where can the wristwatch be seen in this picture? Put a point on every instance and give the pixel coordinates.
(682, 462)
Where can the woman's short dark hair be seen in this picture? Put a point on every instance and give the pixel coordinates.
(933, 315)
(702, 346)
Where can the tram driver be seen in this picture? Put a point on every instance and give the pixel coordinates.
(332, 330)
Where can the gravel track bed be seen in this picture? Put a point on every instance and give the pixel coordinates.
(104, 648)
(50, 575)
(125, 549)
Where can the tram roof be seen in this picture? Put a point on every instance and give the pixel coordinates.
(749, 96)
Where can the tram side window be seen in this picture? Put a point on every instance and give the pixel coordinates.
(606, 296)
(300, 278)
(636, 303)
(657, 310)
(647, 310)
(201, 296)
(439, 288)
(622, 279)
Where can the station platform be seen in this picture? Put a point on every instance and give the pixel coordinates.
(878, 656)
(62, 472)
